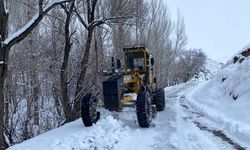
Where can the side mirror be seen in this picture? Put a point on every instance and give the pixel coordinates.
(112, 62)
(152, 61)
(154, 80)
(118, 63)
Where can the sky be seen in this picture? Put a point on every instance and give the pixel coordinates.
(219, 27)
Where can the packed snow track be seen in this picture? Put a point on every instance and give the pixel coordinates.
(181, 126)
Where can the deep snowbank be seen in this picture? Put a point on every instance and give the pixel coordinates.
(225, 98)
(74, 135)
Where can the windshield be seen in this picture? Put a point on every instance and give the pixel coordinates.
(138, 62)
(135, 60)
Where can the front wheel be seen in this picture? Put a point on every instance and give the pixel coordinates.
(89, 110)
(143, 109)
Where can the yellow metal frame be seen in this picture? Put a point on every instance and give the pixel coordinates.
(135, 74)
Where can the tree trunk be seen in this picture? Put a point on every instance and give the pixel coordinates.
(34, 75)
(67, 108)
(64, 76)
(2, 139)
(3, 69)
(96, 77)
(35, 94)
(85, 61)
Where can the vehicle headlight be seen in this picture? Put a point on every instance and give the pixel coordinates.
(104, 71)
(128, 70)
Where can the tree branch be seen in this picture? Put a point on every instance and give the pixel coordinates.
(92, 13)
(40, 7)
(88, 11)
(24, 31)
(80, 19)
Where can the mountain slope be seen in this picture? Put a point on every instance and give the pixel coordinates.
(225, 98)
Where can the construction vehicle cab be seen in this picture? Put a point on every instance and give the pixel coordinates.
(139, 65)
(133, 85)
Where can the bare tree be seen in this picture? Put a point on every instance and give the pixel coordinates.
(157, 35)
(7, 43)
(93, 14)
(65, 81)
(191, 63)
(180, 40)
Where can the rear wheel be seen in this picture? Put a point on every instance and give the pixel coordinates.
(160, 99)
(89, 110)
(143, 109)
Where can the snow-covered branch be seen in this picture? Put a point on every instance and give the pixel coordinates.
(25, 30)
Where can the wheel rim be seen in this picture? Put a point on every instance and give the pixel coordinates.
(147, 109)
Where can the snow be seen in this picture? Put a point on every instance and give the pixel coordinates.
(239, 55)
(235, 84)
(173, 129)
(225, 99)
(211, 68)
(74, 136)
(242, 50)
(5, 9)
(22, 30)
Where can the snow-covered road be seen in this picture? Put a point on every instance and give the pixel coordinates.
(179, 127)
(193, 130)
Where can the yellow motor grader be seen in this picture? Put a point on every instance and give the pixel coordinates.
(134, 85)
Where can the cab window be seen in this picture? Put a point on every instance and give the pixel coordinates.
(135, 60)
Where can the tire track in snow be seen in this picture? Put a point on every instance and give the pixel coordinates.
(220, 134)
(215, 132)
(186, 135)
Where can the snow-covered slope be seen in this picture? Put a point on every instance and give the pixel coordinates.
(225, 98)
(211, 68)
(74, 135)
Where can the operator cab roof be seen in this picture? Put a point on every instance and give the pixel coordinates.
(135, 48)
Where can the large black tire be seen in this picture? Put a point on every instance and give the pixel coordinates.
(88, 110)
(143, 109)
(160, 99)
